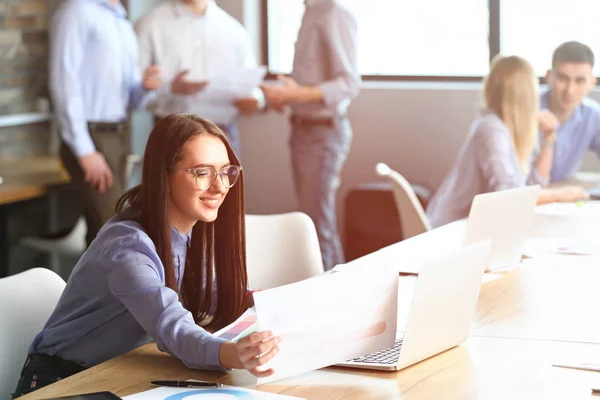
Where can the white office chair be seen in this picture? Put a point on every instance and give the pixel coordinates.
(26, 302)
(74, 243)
(281, 249)
(414, 221)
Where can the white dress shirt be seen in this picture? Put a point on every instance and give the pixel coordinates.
(174, 38)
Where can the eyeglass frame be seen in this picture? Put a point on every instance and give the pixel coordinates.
(219, 173)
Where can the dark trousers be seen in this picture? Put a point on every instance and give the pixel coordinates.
(41, 370)
(100, 207)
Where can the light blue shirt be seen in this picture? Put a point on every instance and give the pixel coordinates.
(574, 137)
(116, 300)
(486, 163)
(93, 68)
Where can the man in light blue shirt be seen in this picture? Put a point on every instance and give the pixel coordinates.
(94, 82)
(570, 80)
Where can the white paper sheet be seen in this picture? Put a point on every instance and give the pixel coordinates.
(220, 393)
(584, 366)
(329, 319)
(243, 326)
(580, 209)
(231, 84)
(547, 247)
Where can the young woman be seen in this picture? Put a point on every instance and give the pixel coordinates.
(163, 266)
(498, 149)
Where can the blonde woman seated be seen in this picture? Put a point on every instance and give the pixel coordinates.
(497, 152)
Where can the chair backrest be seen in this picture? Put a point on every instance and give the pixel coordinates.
(413, 219)
(281, 249)
(73, 244)
(26, 302)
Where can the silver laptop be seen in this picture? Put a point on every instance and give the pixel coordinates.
(505, 218)
(441, 311)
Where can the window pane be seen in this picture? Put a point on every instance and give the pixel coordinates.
(534, 28)
(398, 37)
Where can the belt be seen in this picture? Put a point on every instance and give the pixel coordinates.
(109, 127)
(307, 121)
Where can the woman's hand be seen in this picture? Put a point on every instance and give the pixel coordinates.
(250, 353)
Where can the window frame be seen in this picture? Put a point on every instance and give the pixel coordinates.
(493, 39)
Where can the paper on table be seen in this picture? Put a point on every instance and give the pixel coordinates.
(585, 366)
(543, 247)
(231, 84)
(329, 318)
(580, 209)
(222, 392)
(243, 326)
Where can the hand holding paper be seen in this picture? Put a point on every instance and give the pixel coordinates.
(329, 319)
(182, 86)
(247, 105)
(231, 84)
(257, 349)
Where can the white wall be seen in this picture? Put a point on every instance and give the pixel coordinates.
(415, 130)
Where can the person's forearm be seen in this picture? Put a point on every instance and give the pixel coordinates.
(307, 94)
(543, 163)
(547, 195)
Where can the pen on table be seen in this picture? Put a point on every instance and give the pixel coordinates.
(188, 384)
(595, 391)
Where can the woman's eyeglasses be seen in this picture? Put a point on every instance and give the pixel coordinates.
(205, 176)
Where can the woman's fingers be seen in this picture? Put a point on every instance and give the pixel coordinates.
(257, 361)
(258, 348)
(262, 374)
(254, 338)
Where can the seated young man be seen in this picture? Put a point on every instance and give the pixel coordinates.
(570, 80)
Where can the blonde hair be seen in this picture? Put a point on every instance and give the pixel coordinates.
(511, 91)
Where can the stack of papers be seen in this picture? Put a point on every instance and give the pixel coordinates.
(243, 326)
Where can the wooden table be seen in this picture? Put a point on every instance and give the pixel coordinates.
(29, 177)
(25, 178)
(482, 368)
(527, 320)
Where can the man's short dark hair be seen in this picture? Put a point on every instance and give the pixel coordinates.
(572, 52)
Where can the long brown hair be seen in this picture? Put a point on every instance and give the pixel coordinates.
(218, 249)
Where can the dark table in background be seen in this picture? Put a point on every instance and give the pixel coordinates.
(25, 178)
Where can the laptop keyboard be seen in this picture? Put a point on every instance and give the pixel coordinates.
(385, 356)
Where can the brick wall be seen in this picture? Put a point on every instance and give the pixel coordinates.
(23, 79)
(24, 54)
(23, 72)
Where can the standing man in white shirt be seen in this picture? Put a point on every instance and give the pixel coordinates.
(193, 41)
(324, 81)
